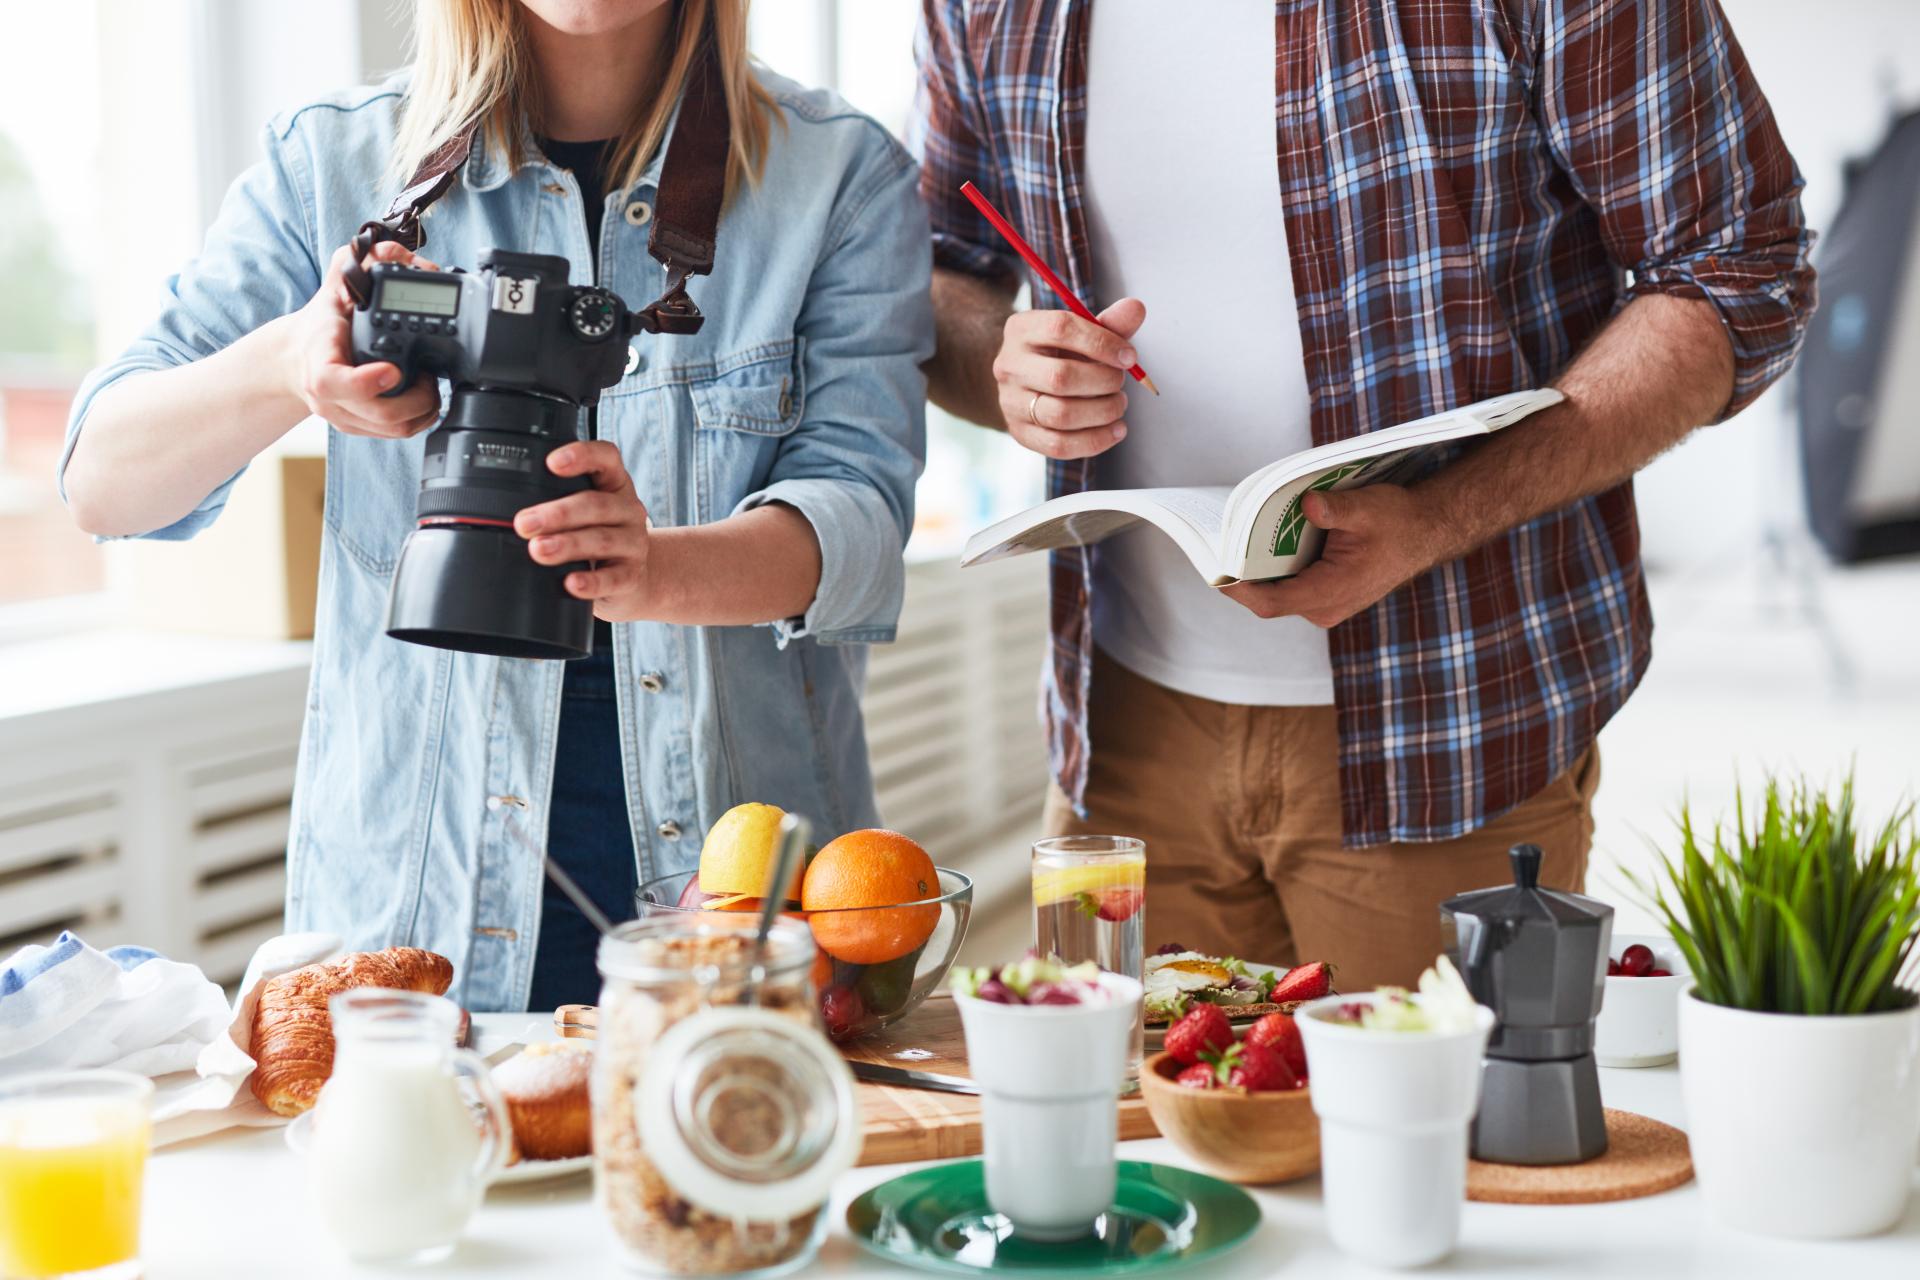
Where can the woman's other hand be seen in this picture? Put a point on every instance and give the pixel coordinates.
(320, 368)
(1063, 379)
(606, 524)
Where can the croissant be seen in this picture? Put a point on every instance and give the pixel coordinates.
(292, 1043)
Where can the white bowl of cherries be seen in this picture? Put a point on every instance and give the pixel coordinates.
(1640, 1015)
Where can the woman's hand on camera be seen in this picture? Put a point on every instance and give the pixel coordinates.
(1063, 379)
(320, 368)
(606, 524)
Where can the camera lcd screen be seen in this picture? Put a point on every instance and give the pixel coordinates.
(420, 297)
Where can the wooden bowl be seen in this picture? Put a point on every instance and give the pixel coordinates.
(1232, 1134)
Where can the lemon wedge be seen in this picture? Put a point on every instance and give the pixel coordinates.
(1053, 884)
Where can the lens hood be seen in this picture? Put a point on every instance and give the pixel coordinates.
(474, 588)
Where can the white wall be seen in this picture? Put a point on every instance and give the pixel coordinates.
(1835, 71)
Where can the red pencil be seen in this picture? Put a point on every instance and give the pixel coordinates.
(1054, 282)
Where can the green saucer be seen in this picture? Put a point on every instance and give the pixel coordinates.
(1163, 1217)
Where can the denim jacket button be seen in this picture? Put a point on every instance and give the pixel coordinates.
(639, 213)
(653, 682)
(669, 830)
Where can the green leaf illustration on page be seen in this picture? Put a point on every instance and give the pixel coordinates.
(1293, 521)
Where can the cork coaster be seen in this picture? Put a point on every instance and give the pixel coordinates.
(1643, 1158)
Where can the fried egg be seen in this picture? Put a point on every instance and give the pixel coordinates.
(1183, 972)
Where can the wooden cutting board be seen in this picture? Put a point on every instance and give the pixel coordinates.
(902, 1124)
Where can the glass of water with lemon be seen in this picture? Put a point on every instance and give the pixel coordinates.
(73, 1155)
(1090, 903)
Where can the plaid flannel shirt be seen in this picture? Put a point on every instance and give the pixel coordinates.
(1471, 188)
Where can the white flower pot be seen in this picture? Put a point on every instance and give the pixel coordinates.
(1801, 1126)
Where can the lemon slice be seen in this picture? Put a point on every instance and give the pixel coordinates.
(1052, 884)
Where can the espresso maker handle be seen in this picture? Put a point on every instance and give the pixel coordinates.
(1525, 859)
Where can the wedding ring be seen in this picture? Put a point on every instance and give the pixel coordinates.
(1033, 408)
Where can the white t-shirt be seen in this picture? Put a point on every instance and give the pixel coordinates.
(1183, 211)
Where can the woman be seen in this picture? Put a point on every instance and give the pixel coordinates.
(773, 454)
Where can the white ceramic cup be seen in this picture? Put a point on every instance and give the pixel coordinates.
(1394, 1110)
(1639, 1023)
(1050, 1078)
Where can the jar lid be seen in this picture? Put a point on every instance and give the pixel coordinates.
(707, 946)
(748, 1113)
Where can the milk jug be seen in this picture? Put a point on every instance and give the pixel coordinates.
(399, 1156)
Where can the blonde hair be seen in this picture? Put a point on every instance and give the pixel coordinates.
(471, 63)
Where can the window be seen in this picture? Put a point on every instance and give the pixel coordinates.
(864, 50)
(83, 263)
(46, 307)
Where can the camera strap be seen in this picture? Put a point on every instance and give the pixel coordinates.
(686, 222)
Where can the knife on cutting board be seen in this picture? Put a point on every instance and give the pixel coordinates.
(582, 1021)
(881, 1073)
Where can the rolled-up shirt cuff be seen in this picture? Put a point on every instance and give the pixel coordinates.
(862, 579)
(1765, 318)
(186, 526)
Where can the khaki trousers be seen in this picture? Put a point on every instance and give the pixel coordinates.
(1240, 811)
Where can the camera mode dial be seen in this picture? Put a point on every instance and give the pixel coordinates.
(594, 314)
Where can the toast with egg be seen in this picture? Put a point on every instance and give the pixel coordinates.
(1176, 978)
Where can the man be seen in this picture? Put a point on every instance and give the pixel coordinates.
(1336, 218)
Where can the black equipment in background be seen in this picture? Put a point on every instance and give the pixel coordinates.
(1859, 372)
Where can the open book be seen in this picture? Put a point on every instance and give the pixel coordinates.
(1256, 530)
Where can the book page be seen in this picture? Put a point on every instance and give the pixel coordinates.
(1269, 535)
(1478, 419)
(1282, 541)
(1192, 517)
(1257, 529)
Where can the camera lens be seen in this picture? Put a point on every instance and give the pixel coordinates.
(465, 580)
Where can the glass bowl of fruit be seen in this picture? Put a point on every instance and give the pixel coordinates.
(887, 923)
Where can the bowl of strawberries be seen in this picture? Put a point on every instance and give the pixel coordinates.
(1239, 1108)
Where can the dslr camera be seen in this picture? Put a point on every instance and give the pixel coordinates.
(525, 352)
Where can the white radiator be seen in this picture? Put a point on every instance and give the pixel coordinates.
(160, 817)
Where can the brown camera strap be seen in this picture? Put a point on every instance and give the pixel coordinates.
(686, 222)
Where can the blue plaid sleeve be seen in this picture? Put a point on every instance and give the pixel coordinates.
(944, 134)
(1653, 113)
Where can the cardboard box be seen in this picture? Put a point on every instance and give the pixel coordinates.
(253, 573)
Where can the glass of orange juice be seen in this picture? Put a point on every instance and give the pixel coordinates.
(73, 1154)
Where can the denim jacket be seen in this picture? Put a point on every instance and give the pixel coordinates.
(804, 387)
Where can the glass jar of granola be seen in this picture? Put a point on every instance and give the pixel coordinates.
(721, 1112)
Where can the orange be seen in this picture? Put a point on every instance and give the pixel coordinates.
(871, 868)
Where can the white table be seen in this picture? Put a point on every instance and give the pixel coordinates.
(234, 1205)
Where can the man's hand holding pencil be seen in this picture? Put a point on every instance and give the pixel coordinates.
(1063, 379)
(1063, 374)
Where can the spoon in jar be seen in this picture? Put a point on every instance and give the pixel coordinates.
(794, 831)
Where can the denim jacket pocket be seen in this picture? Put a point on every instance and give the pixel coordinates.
(758, 390)
(744, 406)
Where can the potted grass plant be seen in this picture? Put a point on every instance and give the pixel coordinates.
(1799, 1045)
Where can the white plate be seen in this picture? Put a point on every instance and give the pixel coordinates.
(299, 1137)
(541, 1170)
(1156, 1036)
